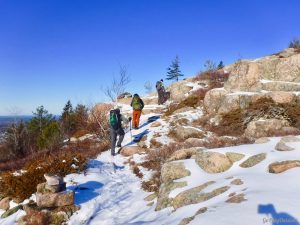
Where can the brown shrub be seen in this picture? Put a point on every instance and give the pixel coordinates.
(235, 122)
(219, 142)
(216, 77)
(80, 133)
(68, 160)
(154, 143)
(153, 184)
(137, 171)
(98, 120)
(192, 100)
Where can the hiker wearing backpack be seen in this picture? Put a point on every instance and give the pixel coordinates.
(137, 105)
(115, 121)
(160, 91)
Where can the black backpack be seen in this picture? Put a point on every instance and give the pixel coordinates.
(115, 119)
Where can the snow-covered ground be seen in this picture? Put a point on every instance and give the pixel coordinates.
(112, 195)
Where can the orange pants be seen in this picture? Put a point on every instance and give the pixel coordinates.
(136, 118)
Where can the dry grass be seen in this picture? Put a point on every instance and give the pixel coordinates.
(216, 77)
(191, 101)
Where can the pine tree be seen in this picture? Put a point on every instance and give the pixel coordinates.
(174, 72)
(67, 119)
(221, 65)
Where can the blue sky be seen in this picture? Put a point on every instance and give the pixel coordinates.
(55, 50)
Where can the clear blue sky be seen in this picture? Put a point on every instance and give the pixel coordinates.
(55, 50)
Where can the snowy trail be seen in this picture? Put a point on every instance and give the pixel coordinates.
(107, 197)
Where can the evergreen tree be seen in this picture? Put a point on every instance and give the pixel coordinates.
(174, 72)
(221, 65)
(81, 116)
(67, 119)
(42, 128)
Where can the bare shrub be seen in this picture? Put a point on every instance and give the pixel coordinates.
(98, 121)
(118, 85)
(295, 43)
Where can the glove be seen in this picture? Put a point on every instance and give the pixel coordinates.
(129, 118)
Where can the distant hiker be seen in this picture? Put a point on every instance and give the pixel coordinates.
(163, 95)
(160, 91)
(115, 122)
(137, 105)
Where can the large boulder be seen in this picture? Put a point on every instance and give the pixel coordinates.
(253, 160)
(185, 153)
(213, 99)
(131, 150)
(181, 133)
(268, 128)
(213, 162)
(279, 167)
(4, 203)
(260, 74)
(179, 90)
(196, 195)
(282, 97)
(194, 142)
(281, 146)
(172, 171)
(49, 200)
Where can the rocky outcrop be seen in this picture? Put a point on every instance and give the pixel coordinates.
(247, 75)
(234, 157)
(131, 150)
(268, 128)
(213, 100)
(196, 195)
(187, 220)
(4, 203)
(194, 142)
(182, 133)
(179, 90)
(236, 199)
(170, 172)
(253, 160)
(213, 162)
(276, 77)
(279, 167)
(281, 146)
(262, 140)
(185, 153)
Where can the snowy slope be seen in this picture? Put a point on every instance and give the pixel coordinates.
(111, 195)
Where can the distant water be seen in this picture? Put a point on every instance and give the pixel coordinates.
(5, 121)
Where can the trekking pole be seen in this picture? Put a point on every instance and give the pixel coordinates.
(130, 129)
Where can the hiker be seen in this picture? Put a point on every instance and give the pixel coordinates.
(115, 122)
(160, 91)
(137, 105)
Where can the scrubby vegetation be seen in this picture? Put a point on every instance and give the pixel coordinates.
(235, 122)
(41, 146)
(295, 43)
(22, 183)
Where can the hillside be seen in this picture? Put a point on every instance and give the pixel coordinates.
(224, 150)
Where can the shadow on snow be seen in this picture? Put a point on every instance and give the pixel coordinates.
(274, 217)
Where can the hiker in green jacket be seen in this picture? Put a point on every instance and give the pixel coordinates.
(115, 121)
(137, 105)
